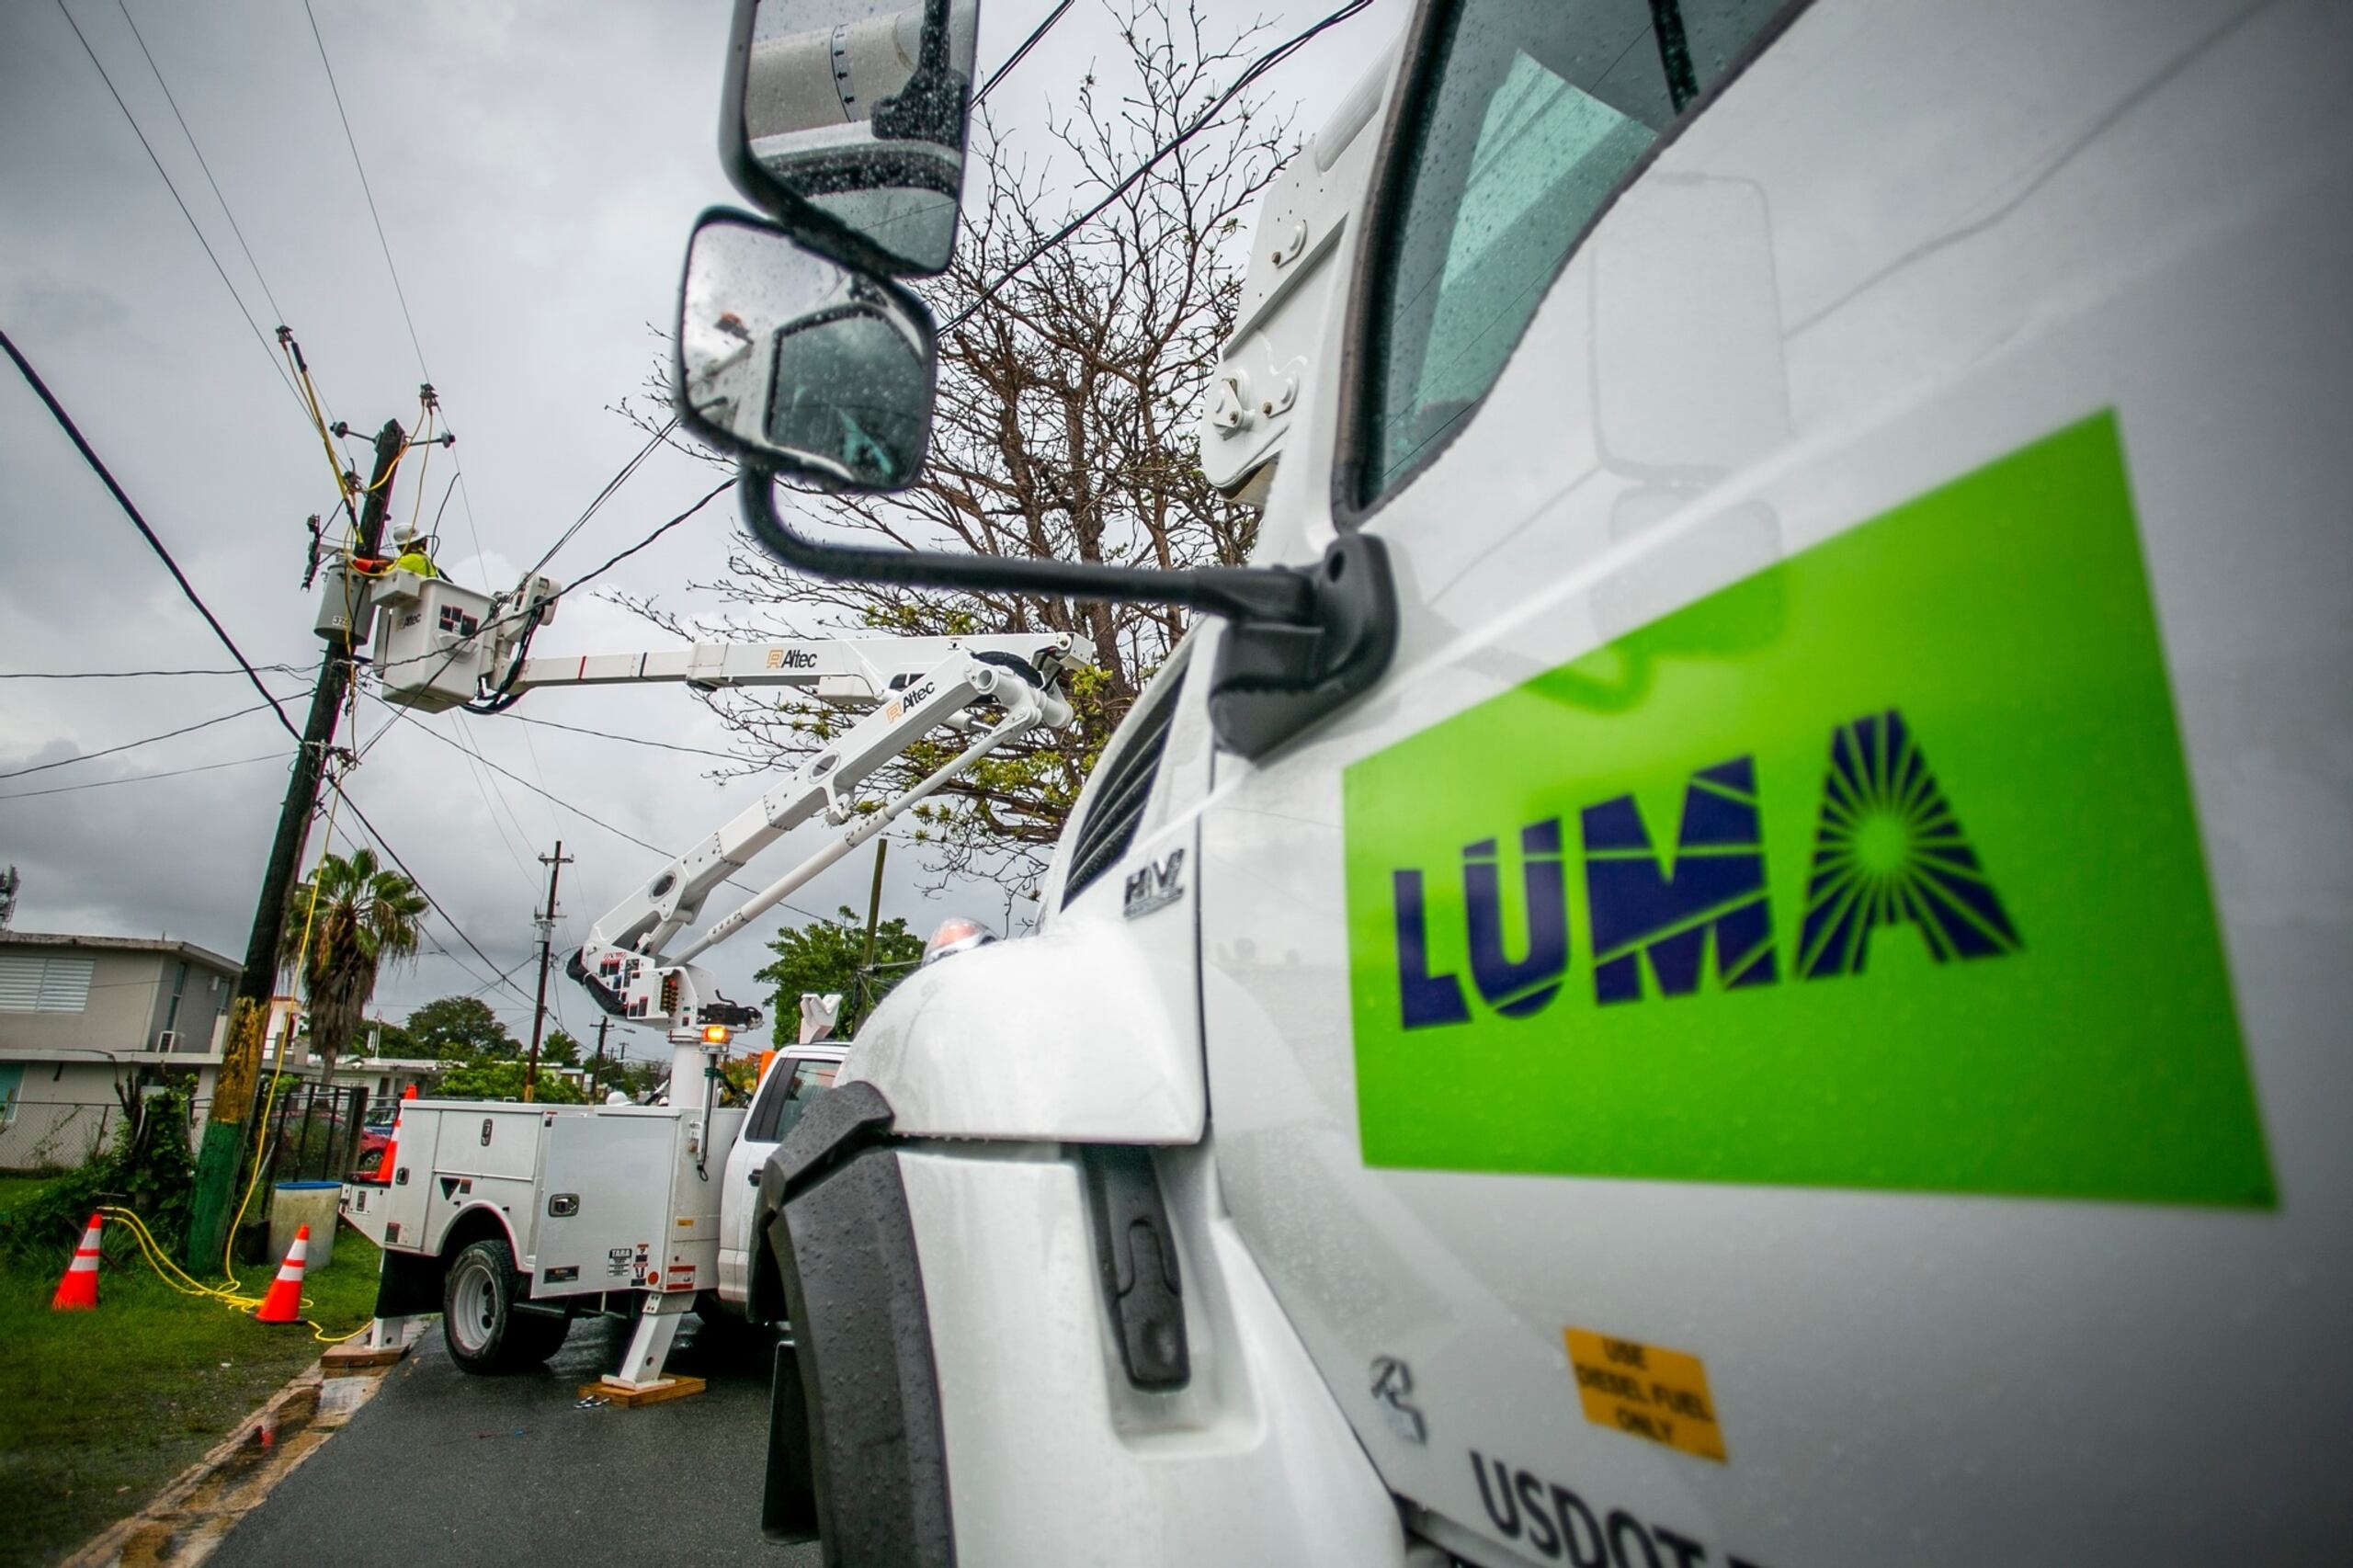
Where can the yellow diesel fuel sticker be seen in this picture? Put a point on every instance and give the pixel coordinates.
(1645, 1390)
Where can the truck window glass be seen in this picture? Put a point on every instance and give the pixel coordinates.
(785, 1096)
(1536, 111)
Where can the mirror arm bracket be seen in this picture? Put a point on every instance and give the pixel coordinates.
(1300, 642)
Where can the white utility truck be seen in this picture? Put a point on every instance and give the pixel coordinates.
(511, 1219)
(532, 1215)
(1732, 947)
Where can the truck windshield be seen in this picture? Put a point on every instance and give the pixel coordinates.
(1537, 112)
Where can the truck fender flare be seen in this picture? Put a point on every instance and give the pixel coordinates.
(408, 1283)
(859, 1378)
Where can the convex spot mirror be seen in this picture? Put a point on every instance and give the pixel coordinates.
(855, 108)
(799, 363)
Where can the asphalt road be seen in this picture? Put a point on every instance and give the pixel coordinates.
(440, 1467)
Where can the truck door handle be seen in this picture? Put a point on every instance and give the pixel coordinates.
(751, 1178)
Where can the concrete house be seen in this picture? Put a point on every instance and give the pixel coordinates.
(81, 1014)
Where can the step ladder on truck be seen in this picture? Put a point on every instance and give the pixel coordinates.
(511, 1220)
(1730, 946)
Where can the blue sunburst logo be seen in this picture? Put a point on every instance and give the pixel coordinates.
(1889, 848)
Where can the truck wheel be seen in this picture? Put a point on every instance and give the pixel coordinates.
(479, 1323)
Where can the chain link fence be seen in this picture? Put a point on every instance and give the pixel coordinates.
(40, 1137)
(316, 1132)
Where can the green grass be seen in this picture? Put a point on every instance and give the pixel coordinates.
(99, 1410)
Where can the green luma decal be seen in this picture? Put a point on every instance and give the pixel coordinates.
(1903, 891)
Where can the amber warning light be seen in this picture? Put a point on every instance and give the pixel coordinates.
(717, 1034)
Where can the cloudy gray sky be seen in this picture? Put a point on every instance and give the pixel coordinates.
(536, 167)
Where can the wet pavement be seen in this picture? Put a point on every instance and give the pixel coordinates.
(440, 1467)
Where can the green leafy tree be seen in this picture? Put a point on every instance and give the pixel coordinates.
(503, 1079)
(463, 1027)
(823, 956)
(559, 1050)
(349, 919)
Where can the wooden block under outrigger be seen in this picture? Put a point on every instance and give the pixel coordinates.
(616, 1392)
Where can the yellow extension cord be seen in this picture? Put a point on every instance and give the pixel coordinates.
(171, 1274)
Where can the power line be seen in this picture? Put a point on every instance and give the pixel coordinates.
(134, 745)
(1256, 69)
(143, 777)
(632, 739)
(351, 142)
(259, 337)
(394, 855)
(57, 411)
(608, 565)
(1016, 56)
(128, 675)
(604, 494)
(200, 163)
(401, 713)
(586, 817)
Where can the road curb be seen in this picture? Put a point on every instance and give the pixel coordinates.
(184, 1522)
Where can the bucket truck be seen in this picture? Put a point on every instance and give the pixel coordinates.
(1730, 946)
(513, 1219)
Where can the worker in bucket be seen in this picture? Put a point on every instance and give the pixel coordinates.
(956, 935)
(416, 555)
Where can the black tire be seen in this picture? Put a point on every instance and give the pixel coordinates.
(480, 1323)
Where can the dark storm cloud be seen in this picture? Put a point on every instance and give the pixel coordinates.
(536, 167)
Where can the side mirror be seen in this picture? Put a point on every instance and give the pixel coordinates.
(801, 363)
(853, 109)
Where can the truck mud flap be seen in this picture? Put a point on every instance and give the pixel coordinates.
(408, 1285)
(861, 1462)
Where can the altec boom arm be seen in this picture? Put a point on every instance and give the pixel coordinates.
(440, 646)
(913, 685)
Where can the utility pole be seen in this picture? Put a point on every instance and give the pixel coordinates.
(597, 1069)
(555, 864)
(212, 1205)
(873, 918)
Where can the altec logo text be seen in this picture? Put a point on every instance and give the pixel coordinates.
(1877, 869)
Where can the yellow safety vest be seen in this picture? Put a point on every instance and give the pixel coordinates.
(417, 561)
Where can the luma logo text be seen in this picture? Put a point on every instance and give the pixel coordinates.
(1876, 868)
(1889, 849)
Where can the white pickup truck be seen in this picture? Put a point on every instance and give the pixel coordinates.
(512, 1219)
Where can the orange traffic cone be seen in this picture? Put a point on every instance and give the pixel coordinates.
(284, 1303)
(78, 1292)
(393, 1144)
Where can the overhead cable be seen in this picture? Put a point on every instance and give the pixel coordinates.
(57, 411)
(505, 698)
(1026, 45)
(200, 163)
(351, 142)
(604, 494)
(585, 816)
(1256, 69)
(394, 854)
(134, 745)
(609, 562)
(632, 739)
(143, 777)
(465, 500)
(128, 675)
(259, 337)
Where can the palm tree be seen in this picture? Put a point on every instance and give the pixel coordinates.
(357, 917)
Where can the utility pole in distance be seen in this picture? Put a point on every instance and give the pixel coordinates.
(212, 1205)
(555, 864)
(596, 1071)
